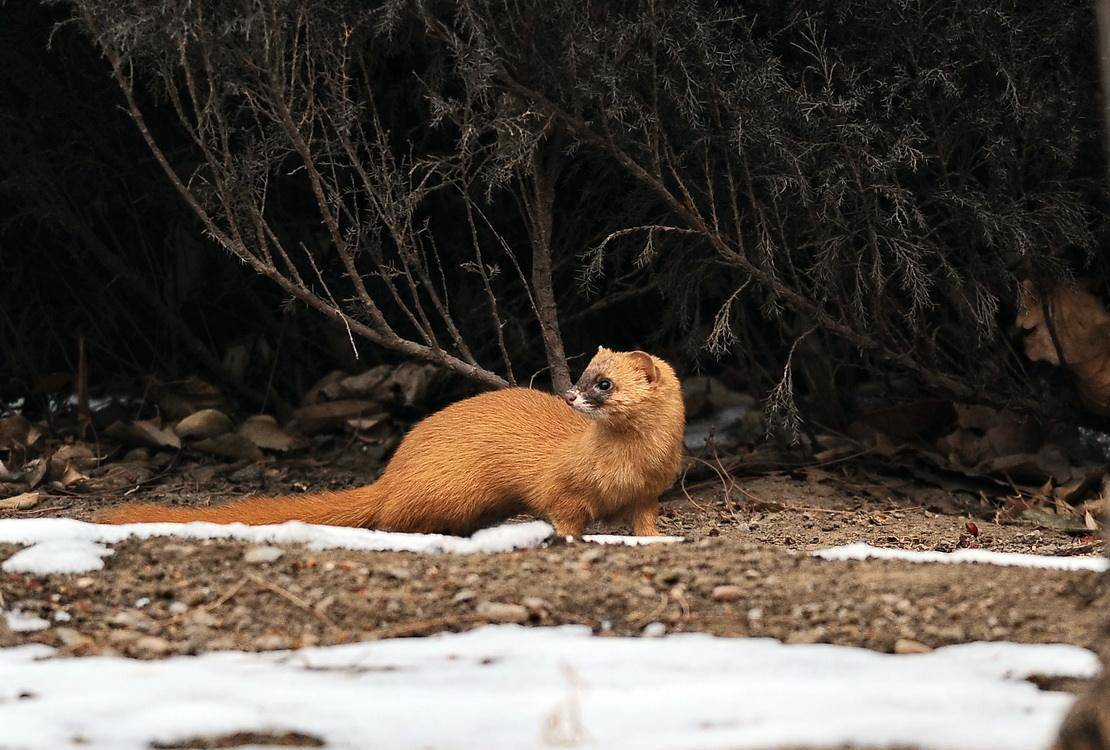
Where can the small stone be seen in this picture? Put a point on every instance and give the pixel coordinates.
(752, 573)
(755, 614)
(727, 593)
(910, 646)
(69, 637)
(534, 604)
(125, 619)
(151, 645)
(181, 550)
(591, 555)
(654, 630)
(178, 608)
(84, 582)
(502, 612)
(463, 596)
(262, 555)
(203, 618)
(398, 572)
(271, 642)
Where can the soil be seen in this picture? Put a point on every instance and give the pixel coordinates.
(165, 596)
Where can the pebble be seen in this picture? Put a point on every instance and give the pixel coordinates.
(534, 605)
(271, 642)
(151, 645)
(125, 619)
(178, 608)
(69, 637)
(727, 593)
(654, 630)
(396, 571)
(463, 596)
(591, 555)
(203, 618)
(910, 646)
(502, 612)
(261, 555)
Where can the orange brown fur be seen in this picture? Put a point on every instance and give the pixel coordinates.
(586, 456)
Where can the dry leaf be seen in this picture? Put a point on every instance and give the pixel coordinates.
(1082, 327)
(263, 431)
(144, 434)
(1090, 522)
(330, 415)
(20, 502)
(205, 423)
(231, 445)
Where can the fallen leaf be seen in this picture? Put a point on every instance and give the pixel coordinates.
(1082, 337)
(231, 445)
(330, 415)
(20, 502)
(179, 398)
(264, 432)
(144, 434)
(205, 423)
(1090, 522)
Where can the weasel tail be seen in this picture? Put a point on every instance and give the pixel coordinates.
(608, 447)
(353, 507)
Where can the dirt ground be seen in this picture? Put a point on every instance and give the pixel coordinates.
(167, 596)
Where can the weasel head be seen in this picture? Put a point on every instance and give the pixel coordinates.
(620, 386)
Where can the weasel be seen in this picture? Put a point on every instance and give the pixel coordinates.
(607, 448)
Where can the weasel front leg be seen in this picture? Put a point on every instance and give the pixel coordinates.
(569, 515)
(644, 515)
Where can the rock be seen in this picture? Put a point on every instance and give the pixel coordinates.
(180, 550)
(151, 646)
(126, 619)
(591, 555)
(396, 571)
(178, 608)
(910, 646)
(205, 423)
(755, 614)
(654, 630)
(262, 555)
(502, 612)
(535, 605)
(70, 637)
(271, 642)
(727, 593)
(203, 618)
(231, 445)
(463, 596)
(264, 432)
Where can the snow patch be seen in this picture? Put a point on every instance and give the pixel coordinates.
(57, 556)
(21, 622)
(65, 545)
(862, 551)
(504, 687)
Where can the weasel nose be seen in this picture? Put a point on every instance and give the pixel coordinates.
(568, 397)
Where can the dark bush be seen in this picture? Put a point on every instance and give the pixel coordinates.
(801, 194)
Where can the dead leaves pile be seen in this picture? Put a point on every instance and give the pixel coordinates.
(1069, 326)
(1008, 459)
(194, 417)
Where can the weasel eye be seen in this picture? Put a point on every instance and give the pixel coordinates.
(604, 384)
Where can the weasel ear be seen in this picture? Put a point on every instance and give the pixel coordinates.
(644, 361)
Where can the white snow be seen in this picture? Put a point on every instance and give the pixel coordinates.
(862, 551)
(57, 556)
(65, 545)
(510, 687)
(21, 622)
